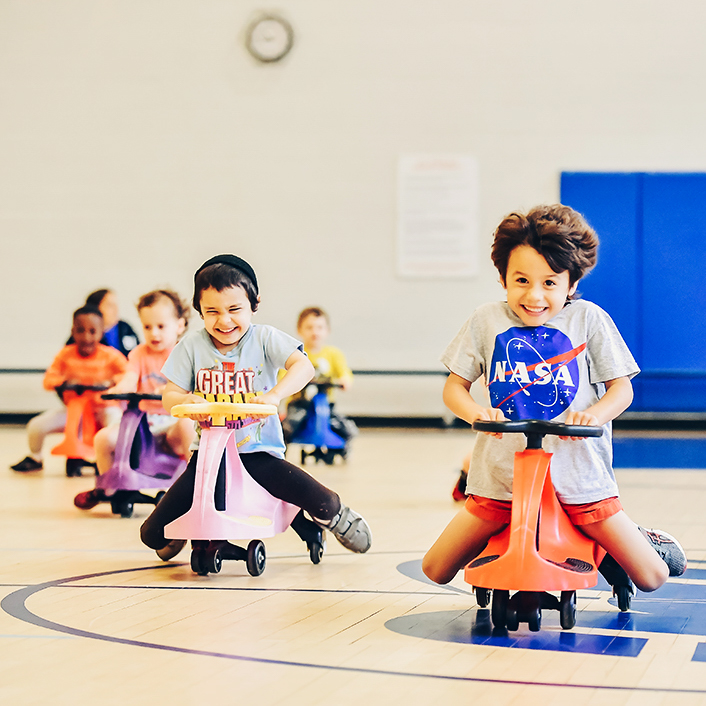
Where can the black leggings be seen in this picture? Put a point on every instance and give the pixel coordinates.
(280, 478)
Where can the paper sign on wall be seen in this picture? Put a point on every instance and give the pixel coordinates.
(437, 219)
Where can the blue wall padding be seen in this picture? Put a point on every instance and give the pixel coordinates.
(649, 276)
(638, 452)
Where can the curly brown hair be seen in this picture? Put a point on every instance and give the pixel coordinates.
(558, 233)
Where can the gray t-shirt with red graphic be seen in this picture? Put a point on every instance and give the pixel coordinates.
(249, 369)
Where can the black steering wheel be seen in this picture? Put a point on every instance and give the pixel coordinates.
(78, 388)
(536, 429)
(133, 399)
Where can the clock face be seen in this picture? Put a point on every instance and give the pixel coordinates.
(270, 38)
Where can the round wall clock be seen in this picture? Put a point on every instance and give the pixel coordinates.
(269, 38)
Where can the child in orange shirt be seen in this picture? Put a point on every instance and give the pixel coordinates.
(164, 319)
(85, 362)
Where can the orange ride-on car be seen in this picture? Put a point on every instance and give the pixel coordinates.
(540, 550)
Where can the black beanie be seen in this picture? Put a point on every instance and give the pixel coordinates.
(234, 261)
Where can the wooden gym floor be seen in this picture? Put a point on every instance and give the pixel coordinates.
(89, 615)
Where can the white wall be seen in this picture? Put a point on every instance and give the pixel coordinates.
(138, 138)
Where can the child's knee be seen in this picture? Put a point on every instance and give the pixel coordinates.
(152, 536)
(39, 426)
(651, 578)
(435, 570)
(34, 425)
(102, 442)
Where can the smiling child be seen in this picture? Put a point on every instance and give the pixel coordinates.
(233, 356)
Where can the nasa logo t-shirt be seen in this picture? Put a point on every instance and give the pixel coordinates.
(534, 373)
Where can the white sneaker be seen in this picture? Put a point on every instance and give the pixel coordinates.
(351, 530)
(171, 550)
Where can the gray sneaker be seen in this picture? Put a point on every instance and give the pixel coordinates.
(668, 548)
(351, 530)
(171, 550)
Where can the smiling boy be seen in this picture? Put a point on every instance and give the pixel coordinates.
(549, 356)
(232, 347)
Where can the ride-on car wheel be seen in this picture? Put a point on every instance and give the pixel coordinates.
(256, 557)
(498, 612)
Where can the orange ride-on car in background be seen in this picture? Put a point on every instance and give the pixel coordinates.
(81, 426)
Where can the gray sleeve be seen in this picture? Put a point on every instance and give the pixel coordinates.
(463, 355)
(179, 367)
(608, 355)
(279, 346)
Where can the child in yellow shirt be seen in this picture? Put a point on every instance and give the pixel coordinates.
(330, 365)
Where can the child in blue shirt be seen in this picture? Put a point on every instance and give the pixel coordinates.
(231, 355)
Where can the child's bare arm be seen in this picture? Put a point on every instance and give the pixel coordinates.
(300, 371)
(617, 399)
(173, 395)
(127, 383)
(458, 399)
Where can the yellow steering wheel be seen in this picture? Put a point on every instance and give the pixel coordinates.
(220, 411)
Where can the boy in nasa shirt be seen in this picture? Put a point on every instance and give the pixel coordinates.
(546, 356)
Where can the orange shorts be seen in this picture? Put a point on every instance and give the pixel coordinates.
(500, 510)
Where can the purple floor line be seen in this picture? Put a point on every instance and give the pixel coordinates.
(14, 604)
